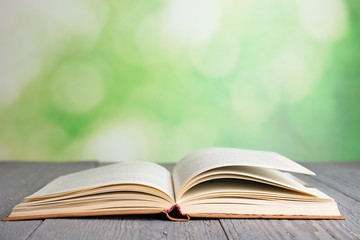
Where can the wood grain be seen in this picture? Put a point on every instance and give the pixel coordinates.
(17, 180)
(131, 227)
(20, 179)
(345, 178)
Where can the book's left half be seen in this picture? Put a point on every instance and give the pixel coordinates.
(122, 188)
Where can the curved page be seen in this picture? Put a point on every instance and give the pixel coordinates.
(206, 159)
(144, 173)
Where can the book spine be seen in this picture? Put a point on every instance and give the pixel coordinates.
(174, 213)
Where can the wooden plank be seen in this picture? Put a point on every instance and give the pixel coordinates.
(289, 229)
(20, 179)
(17, 230)
(348, 206)
(344, 177)
(168, 166)
(129, 227)
(347, 165)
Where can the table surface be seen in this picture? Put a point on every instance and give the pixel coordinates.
(20, 179)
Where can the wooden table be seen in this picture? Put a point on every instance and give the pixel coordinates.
(20, 179)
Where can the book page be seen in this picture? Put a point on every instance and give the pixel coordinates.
(206, 159)
(145, 173)
(256, 174)
(229, 188)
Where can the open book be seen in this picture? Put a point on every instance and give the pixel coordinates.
(213, 182)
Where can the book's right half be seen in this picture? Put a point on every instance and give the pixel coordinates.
(226, 182)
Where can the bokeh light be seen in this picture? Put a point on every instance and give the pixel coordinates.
(77, 88)
(155, 80)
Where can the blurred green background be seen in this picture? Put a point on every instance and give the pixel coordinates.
(154, 80)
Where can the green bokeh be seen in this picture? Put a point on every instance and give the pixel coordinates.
(155, 80)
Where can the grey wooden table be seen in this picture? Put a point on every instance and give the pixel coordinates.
(19, 179)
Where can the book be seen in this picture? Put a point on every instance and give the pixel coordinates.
(208, 183)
